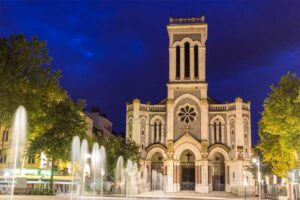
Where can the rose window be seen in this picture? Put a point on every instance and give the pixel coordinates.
(187, 114)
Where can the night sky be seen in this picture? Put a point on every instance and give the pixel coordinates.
(111, 52)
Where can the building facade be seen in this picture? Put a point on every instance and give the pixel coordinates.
(199, 143)
(102, 126)
(35, 168)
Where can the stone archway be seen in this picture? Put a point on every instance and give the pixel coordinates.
(218, 172)
(187, 170)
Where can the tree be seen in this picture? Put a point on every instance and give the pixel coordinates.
(65, 120)
(26, 78)
(279, 127)
(265, 168)
(115, 147)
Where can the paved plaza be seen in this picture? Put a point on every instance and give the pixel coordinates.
(149, 196)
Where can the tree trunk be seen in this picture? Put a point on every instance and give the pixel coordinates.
(51, 178)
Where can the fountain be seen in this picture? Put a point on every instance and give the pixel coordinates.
(18, 142)
(102, 167)
(145, 182)
(80, 156)
(131, 178)
(75, 159)
(157, 181)
(119, 175)
(83, 163)
(95, 163)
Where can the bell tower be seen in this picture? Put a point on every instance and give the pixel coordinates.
(187, 38)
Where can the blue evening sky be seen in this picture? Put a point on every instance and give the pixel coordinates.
(111, 52)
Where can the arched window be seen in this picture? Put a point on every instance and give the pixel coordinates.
(215, 131)
(159, 131)
(187, 60)
(155, 131)
(196, 61)
(220, 132)
(177, 62)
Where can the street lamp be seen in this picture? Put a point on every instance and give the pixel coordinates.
(256, 161)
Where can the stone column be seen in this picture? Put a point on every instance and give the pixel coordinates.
(202, 63)
(170, 119)
(204, 186)
(176, 176)
(172, 63)
(198, 176)
(204, 119)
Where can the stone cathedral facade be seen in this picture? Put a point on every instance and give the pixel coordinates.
(200, 144)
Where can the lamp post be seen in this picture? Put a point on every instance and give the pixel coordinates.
(256, 161)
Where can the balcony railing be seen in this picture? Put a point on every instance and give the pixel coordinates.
(193, 20)
(157, 108)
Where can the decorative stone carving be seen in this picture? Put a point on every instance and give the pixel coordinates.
(187, 113)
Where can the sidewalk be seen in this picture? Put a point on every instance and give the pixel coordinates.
(191, 195)
(145, 196)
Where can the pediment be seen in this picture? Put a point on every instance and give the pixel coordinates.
(187, 138)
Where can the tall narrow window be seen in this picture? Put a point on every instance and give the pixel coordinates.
(220, 132)
(187, 60)
(177, 62)
(159, 130)
(155, 131)
(196, 61)
(215, 131)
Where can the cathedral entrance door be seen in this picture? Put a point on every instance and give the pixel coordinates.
(187, 163)
(218, 173)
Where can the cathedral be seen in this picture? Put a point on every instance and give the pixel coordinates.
(197, 143)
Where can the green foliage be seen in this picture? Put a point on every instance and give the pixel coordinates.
(115, 147)
(279, 127)
(26, 79)
(265, 167)
(64, 120)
